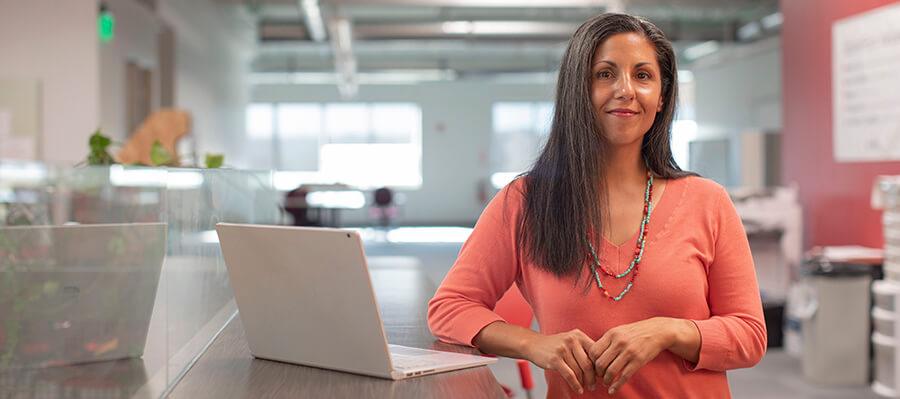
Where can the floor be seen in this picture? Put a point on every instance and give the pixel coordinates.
(777, 376)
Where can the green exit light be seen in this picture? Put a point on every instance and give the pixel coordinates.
(106, 24)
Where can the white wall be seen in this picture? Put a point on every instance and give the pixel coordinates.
(55, 43)
(136, 39)
(737, 91)
(214, 45)
(456, 133)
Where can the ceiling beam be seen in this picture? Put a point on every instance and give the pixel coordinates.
(478, 3)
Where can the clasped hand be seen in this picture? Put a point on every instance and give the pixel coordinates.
(619, 353)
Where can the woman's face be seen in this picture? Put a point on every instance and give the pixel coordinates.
(626, 87)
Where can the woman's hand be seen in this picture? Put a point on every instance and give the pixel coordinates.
(626, 348)
(566, 353)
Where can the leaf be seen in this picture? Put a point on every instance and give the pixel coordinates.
(214, 161)
(98, 154)
(160, 156)
(99, 141)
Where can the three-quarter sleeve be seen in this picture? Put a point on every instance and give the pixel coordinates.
(487, 266)
(735, 334)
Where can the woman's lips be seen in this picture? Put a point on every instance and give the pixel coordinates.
(622, 113)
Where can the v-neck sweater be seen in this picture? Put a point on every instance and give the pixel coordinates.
(696, 265)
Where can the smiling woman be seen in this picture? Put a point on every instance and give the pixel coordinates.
(604, 200)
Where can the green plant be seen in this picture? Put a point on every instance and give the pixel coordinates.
(98, 154)
(214, 161)
(160, 156)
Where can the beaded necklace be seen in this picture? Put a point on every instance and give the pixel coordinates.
(638, 250)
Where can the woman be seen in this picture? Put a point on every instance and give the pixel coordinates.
(639, 273)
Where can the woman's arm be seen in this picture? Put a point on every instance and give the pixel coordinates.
(734, 336)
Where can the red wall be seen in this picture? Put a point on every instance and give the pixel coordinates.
(835, 196)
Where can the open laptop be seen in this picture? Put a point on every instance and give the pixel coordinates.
(77, 293)
(305, 296)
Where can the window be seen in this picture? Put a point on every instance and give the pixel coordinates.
(365, 145)
(259, 121)
(519, 132)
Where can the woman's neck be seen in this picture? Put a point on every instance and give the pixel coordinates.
(624, 169)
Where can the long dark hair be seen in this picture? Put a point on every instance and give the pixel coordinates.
(562, 194)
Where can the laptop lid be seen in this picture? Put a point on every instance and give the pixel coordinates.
(305, 297)
(77, 293)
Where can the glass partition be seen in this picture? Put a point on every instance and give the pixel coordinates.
(106, 263)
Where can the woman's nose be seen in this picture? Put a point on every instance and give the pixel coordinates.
(624, 88)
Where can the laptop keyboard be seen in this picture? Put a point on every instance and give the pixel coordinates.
(404, 362)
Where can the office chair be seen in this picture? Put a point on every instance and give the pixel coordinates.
(516, 311)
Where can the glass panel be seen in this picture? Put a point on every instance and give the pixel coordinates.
(99, 263)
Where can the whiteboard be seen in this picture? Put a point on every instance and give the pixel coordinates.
(865, 51)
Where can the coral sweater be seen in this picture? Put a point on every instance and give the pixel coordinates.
(696, 266)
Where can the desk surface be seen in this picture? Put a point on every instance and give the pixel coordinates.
(227, 369)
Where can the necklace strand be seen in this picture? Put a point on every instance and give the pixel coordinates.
(638, 251)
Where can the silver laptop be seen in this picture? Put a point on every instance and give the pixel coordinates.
(305, 296)
(77, 293)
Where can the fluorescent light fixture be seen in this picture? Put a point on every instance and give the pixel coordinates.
(457, 27)
(749, 31)
(344, 199)
(429, 234)
(701, 50)
(501, 179)
(685, 76)
(507, 28)
(344, 60)
(312, 15)
(772, 21)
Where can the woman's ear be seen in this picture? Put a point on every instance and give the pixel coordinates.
(660, 106)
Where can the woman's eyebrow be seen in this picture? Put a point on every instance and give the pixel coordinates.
(638, 65)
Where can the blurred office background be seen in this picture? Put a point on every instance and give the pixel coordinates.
(317, 104)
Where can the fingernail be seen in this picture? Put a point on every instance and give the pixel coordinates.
(592, 387)
(611, 391)
(580, 391)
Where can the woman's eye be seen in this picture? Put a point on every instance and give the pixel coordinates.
(643, 75)
(604, 74)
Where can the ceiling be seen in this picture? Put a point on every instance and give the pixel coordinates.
(464, 39)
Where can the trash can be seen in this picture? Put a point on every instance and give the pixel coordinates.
(835, 327)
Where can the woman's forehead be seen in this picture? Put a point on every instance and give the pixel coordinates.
(628, 45)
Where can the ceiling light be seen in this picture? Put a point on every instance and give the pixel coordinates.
(312, 14)
(772, 21)
(457, 27)
(749, 31)
(701, 50)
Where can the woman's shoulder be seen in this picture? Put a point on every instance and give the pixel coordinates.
(699, 188)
